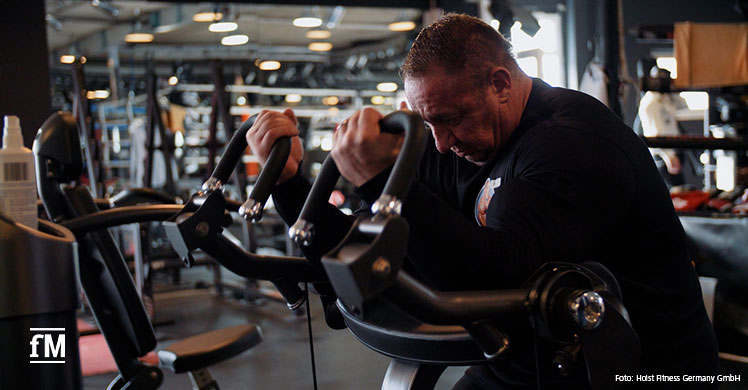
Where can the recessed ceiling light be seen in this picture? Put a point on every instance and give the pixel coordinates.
(67, 59)
(173, 80)
(270, 65)
(234, 40)
(318, 34)
(207, 17)
(293, 98)
(139, 38)
(386, 87)
(320, 46)
(377, 100)
(330, 100)
(401, 26)
(307, 21)
(222, 27)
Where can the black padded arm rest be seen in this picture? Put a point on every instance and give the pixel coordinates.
(209, 348)
(393, 333)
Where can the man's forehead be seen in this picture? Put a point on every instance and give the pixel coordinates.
(434, 97)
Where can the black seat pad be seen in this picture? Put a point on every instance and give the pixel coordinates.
(396, 334)
(208, 348)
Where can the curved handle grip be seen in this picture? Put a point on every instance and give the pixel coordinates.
(406, 165)
(301, 231)
(231, 156)
(252, 208)
(397, 184)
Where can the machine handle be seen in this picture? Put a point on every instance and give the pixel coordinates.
(397, 184)
(252, 209)
(230, 157)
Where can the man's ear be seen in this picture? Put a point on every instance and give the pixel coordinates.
(501, 82)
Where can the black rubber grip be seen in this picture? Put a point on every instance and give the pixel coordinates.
(399, 180)
(233, 152)
(321, 190)
(272, 170)
(410, 154)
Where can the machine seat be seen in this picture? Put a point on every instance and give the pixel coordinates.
(208, 348)
(398, 335)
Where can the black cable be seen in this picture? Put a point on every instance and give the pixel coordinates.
(534, 324)
(311, 340)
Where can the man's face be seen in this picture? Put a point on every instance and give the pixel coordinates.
(462, 118)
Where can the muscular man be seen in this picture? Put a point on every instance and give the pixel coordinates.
(519, 174)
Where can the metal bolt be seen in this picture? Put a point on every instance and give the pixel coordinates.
(202, 229)
(587, 310)
(381, 267)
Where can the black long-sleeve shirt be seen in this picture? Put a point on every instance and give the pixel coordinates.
(572, 183)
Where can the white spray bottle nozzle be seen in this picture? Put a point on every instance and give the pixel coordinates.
(12, 137)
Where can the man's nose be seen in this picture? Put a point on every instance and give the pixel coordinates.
(444, 139)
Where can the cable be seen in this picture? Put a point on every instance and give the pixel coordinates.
(311, 340)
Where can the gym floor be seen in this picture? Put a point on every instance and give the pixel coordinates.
(281, 360)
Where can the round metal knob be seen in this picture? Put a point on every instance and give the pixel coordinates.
(251, 210)
(587, 310)
(301, 232)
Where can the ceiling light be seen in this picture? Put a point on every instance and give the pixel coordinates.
(293, 98)
(67, 59)
(320, 46)
(377, 100)
(234, 40)
(386, 87)
(330, 100)
(495, 24)
(318, 34)
(82, 59)
(270, 65)
(307, 21)
(223, 27)
(401, 26)
(139, 38)
(173, 80)
(207, 17)
(241, 100)
(97, 94)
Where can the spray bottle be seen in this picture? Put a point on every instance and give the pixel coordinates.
(17, 176)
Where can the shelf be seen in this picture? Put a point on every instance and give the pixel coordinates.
(693, 142)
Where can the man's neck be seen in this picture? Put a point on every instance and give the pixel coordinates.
(517, 103)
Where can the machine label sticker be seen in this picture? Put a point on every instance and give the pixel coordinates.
(48, 341)
(484, 199)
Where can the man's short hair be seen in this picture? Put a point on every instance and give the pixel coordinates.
(458, 42)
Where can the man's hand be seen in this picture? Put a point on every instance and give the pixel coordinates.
(268, 127)
(361, 150)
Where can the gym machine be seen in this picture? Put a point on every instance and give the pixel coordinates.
(38, 301)
(575, 308)
(104, 275)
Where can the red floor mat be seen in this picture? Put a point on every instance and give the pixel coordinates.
(85, 328)
(96, 358)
